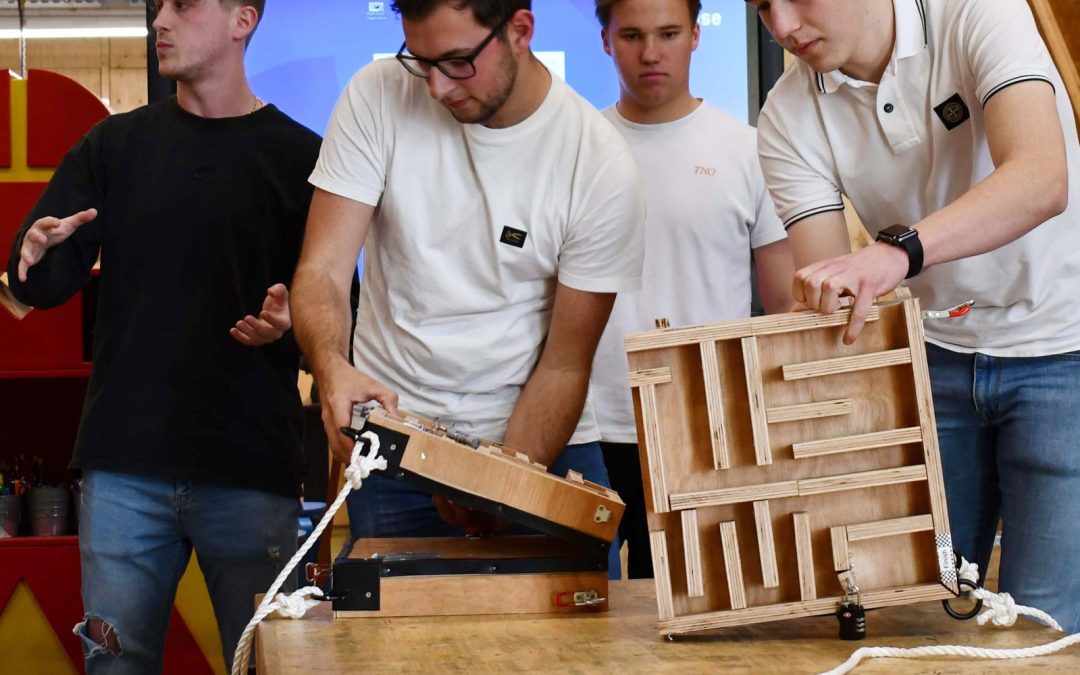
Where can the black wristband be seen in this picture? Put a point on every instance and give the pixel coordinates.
(907, 239)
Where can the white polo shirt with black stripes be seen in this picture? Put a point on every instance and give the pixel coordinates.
(915, 142)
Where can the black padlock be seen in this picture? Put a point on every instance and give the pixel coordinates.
(852, 617)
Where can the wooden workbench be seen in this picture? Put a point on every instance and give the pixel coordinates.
(625, 640)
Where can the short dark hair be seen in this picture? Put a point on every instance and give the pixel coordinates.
(488, 13)
(604, 7)
(259, 6)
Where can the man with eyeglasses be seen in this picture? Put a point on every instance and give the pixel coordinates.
(499, 214)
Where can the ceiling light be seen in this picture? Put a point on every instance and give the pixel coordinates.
(95, 32)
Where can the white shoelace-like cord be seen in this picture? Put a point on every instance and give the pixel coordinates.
(1000, 610)
(296, 604)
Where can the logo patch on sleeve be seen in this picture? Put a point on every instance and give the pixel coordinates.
(513, 237)
(953, 112)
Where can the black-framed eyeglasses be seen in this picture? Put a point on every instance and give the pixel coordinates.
(454, 67)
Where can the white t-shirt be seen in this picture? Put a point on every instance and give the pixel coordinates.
(707, 208)
(907, 147)
(473, 228)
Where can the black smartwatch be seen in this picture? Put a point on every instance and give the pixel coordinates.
(905, 238)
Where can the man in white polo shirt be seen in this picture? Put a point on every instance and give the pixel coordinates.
(948, 127)
(708, 214)
(499, 214)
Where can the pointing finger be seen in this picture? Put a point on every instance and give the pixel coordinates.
(81, 218)
(278, 291)
(859, 310)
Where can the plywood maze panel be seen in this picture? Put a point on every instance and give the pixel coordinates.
(776, 458)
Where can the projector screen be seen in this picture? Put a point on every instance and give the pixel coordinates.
(301, 58)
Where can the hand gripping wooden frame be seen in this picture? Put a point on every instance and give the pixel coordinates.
(562, 569)
(778, 461)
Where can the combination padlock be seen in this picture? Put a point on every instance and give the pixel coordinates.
(852, 617)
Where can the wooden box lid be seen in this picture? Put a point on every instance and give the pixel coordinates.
(485, 476)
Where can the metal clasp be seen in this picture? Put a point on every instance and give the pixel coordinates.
(578, 598)
(603, 514)
(322, 576)
(317, 573)
(950, 313)
(847, 580)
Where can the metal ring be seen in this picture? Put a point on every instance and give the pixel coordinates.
(973, 611)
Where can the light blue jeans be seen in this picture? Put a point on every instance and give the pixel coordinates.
(1009, 430)
(389, 508)
(136, 535)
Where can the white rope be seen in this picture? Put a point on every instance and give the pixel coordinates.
(295, 605)
(952, 650)
(1001, 610)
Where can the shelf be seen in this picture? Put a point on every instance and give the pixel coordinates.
(62, 540)
(43, 374)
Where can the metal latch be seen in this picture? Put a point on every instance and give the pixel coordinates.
(603, 514)
(322, 576)
(318, 573)
(578, 598)
(950, 313)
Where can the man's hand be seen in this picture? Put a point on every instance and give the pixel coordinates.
(48, 232)
(339, 391)
(273, 320)
(866, 274)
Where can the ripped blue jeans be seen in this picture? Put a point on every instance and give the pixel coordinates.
(136, 535)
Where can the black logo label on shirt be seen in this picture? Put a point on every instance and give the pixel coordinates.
(953, 112)
(513, 237)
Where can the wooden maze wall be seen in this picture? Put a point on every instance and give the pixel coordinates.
(776, 457)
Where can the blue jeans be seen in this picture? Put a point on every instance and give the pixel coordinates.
(136, 535)
(388, 508)
(1009, 430)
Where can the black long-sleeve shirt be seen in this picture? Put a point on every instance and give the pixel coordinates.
(196, 219)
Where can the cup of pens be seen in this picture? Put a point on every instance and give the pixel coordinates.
(10, 513)
(47, 510)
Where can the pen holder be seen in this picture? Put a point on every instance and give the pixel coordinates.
(47, 508)
(10, 512)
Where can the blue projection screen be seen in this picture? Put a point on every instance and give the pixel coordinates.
(304, 52)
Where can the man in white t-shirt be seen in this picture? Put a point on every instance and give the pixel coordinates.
(709, 214)
(499, 214)
(948, 127)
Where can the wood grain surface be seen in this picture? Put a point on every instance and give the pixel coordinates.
(624, 640)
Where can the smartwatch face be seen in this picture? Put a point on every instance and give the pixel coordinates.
(897, 233)
(907, 239)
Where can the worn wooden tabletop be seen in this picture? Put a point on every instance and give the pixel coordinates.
(625, 640)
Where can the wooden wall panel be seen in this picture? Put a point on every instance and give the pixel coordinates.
(58, 54)
(127, 89)
(127, 53)
(113, 69)
(87, 77)
(1059, 23)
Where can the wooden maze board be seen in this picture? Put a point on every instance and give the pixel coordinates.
(775, 458)
(500, 476)
(562, 571)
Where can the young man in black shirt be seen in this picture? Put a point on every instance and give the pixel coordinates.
(191, 431)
